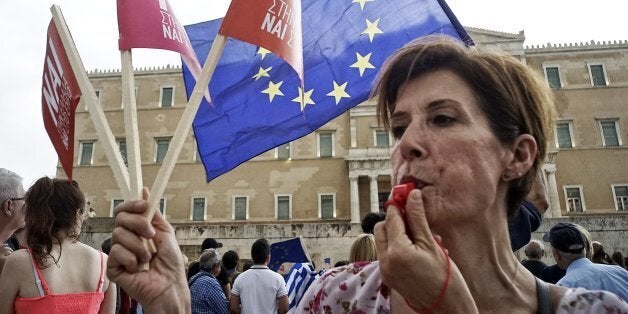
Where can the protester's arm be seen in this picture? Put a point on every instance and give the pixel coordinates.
(161, 289)
(283, 304)
(234, 304)
(438, 282)
(108, 305)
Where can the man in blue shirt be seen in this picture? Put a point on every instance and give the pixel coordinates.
(568, 247)
(205, 291)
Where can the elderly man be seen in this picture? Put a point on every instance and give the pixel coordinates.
(568, 247)
(535, 250)
(205, 291)
(12, 207)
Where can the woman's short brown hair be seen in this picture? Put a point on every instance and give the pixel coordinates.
(515, 99)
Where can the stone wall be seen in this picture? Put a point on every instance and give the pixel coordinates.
(334, 239)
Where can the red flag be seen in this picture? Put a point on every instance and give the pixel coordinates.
(273, 25)
(153, 24)
(60, 94)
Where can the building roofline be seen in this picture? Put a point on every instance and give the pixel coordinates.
(564, 47)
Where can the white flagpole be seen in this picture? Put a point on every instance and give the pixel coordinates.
(159, 186)
(131, 126)
(89, 96)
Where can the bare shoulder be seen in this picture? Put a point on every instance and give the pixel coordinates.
(17, 264)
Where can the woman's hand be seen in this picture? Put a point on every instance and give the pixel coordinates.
(417, 267)
(161, 289)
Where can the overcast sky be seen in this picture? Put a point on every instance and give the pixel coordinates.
(24, 144)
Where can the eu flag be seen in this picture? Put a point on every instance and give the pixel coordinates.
(291, 250)
(258, 103)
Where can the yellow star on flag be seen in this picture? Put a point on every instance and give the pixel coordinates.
(263, 72)
(262, 51)
(306, 99)
(362, 3)
(363, 62)
(273, 90)
(339, 92)
(372, 29)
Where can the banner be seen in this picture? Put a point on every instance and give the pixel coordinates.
(60, 94)
(258, 101)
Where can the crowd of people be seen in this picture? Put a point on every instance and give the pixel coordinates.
(471, 129)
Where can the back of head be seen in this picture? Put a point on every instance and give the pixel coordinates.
(535, 249)
(370, 219)
(260, 251)
(209, 259)
(515, 99)
(10, 185)
(230, 259)
(569, 240)
(53, 213)
(363, 249)
(210, 243)
(106, 246)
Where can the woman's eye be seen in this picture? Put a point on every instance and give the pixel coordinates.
(443, 120)
(397, 131)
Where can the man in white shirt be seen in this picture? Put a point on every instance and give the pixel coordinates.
(259, 289)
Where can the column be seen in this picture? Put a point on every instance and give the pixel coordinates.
(355, 199)
(354, 133)
(550, 170)
(374, 195)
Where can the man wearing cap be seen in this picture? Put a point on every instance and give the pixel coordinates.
(568, 248)
(205, 291)
(223, 278)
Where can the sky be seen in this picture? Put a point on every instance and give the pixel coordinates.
(26, 149)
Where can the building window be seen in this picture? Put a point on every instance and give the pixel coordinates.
(610, 133)
(382, 138)
(563, 134)
(552, 74)
(123, 152)
(86, 152)
(198, 209)
(326, 206)
(162, 206)
(162, 148)
(598, 75)
(167, 97)
(620, 193)
(282, 207)
(325, 144)
(114, 204)
(573, 195)
(283, 152)
(240, 207)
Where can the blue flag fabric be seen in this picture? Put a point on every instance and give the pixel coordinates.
(291, 250)
(256, 95)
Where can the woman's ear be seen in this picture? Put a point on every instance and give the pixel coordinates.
(523, 154)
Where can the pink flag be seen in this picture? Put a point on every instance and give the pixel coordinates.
(60, 94)
(273, 25)
(153, 24)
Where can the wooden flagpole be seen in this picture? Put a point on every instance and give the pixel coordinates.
(183, 128)
(89, 96)
(131, 126)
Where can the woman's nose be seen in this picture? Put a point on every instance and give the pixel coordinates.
(411, 145)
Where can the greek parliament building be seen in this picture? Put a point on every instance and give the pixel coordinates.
(341, 171)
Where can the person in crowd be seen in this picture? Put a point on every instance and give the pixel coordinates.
(370, 219)
(12, 216)
(568, 247)
(618, 258)
(363, 249)
(230, 262)
(57, 269)
(535, 250)
(205, 291)
(552, 274)
(471, 129)
(259, 289)
(599, 255)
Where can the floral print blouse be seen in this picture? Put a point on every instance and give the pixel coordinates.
(357, 289)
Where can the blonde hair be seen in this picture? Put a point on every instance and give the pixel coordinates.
(363, 249)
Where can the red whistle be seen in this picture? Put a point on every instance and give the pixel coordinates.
(399, 196)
